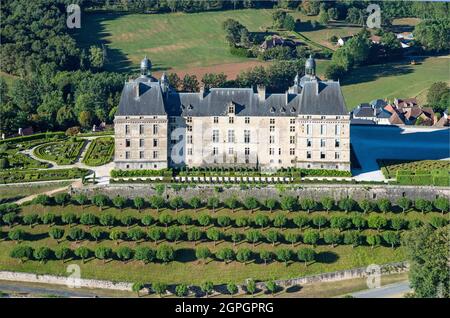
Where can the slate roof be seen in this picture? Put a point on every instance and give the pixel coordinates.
(364, 112)
(316, 98)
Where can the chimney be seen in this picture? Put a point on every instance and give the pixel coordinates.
(287, 97)
(261, 92)
(136, 90)
(202, 91)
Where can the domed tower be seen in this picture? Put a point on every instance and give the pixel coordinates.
(146, 66)
(310, 67)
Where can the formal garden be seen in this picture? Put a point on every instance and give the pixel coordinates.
(62, 152)
(100, 152)
(423, 172)
(220, 241)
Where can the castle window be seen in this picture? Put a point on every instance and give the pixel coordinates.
(272, 128)
(279, 151)
(230, 135)
(189, 151)
(189, 119)
(155, 129)
(247, 151)
(216, 120)
(323, 129)
(271, 151)
(271, 139)
(247, 120)
(337, 155)
(231, 109)
(337, 143)
(308, 142)
(189, 139)
(141, 155)
(155, 154)
(292, 121)
(127, 155)
(292, 151)
(322, 143)
(322, 155)
(230, 150)
(215, 151)
(127, 142)
(292, 128)
(155, 142)
(308, 129)
(215, 136)
(292, 139)
(247, 136)
(172, 119)
(272, 121)
(141, 129)
(337, 129)
(141, 142)
(231, 120)
(308, 155)
(127, 129)
(189, 128)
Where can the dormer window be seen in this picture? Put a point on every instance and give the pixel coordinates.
(190, 107)
(231, 109)
(293, 109)
(283, 110)
(272, 110)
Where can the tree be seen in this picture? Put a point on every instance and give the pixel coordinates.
(352, 237)
(319, 221)
(423, 205)
(301, 221)
(155, 234)
(251, 203)
(291, 237)
(211, 80)
(225, 254)
(189, 83)
(289, 23)
(278, 17)
(182, 290)
(442, 204)
(176, 203)
(284, 255)
(48, 218)
(262, 220)
(157, 202)
(195, 203)
(251, 286)
(147, 220)
(159, 288)
(17, 235)
(213, 234)
(270, 204)
(81, 199)
(433, 34)
(384, 205)
(289, 203)
(253, 236)
(76, 234)
(83, 253)
(165, 253)
(174, 233)
(223, 221)
(242, 221)
(311, 237)
(213, 203)
(404, 203)
(327, 203)
(340, 222)
(127, 220)
(266, 256)
(103, 253)
(203, 253)
(100, 200)
(42, 199)
(438, 221)
(97, 234)
(116, 235)
(106, 220)
(119, 202)
(22, 252)
(373, 240)
(63, 253)
(85, 118)
(398, 223)
(144, 254)
(204, 220)
(139, 203)
(358, 221)
(56, 233)
(334, 72)
(232, 203)
(9, 218)
(236, 237)
(88, 219)
(366, 206)
(135, 234)
(347, 204)
(96, 57)
(137, 287)
(272, 236)
(124, 253)
(232, 288)
(332, 237)
(272, 287)
(306, 255)
(69, 218)
(323, 17)
(165, 219)
(376, 222)
(427, 252)
(243, 255)
(207, 287)
(30, 219)
(391, 238)
(62, 198)
(194, 235)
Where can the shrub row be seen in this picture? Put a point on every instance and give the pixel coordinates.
(13, 176)
(47, 135)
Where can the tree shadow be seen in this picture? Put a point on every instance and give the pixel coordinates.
(293, 289)
(327, 257)
(186, 255)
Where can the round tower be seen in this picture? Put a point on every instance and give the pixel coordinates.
(310, 66)
(146, 66)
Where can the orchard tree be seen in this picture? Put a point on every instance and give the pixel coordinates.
(69, 218)
(392, 238)
(358, 221)
(194, 235)
(319, 221)
(253, 236)
(207, 287)
(83, 253)
(147, 220)
(289, 203)
(56, 233)
(137, 287)
(17, 235)
(291, 237)
(384, 205)
(157, 202)
(127, 220)
(311, 237)
(251, 203)
(376, 222)
(174, 233)
(103, 253)
(306, 255)
(366, 206)
(438, 221)
(272, 236)
(398, 223)
(262, 220)
(213, 203)
(250, 286)
(10, 218)
(242, 221)
(195, 203)
(332, 237)
(442, 204)
(30, 219)
(182, 290)
(124, 253)
(203, 253)
(280, 221)
(301, 221)
(48, 218)
(223, 221)
(165, 219)
(213, 234)
(347, 204)
(88, 219)
(184, 219)
(327, 203)
(404, 203)
(423, 205)
(100, 200)
(225, 254)
(232, 288)
(63, 253)
(135, 234)
(232, 203)
(373, 240)
(117, 236)
(270, 204)
(76, 234)
(22, 252)
(176, 203)
(308, 204)
(107, 220)
(119, 202)
(155, 234)
(266, 256)
(284, 255)
(340, 222)
(139, 203)
(97, 234)
(62, 198)
(204, 220)
(159, 288)
(236, 237)
(352, 238)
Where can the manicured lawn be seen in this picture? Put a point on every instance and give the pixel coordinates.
(12, 192)
(100, 151)
(186, 268)
(393, 80)
(392, 166)
(172, 41)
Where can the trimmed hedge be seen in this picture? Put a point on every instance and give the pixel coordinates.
(47, 135)
(13, 176)
(66, 152)
(117, 173)
(100, 151)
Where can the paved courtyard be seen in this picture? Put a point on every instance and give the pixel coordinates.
(392, 142)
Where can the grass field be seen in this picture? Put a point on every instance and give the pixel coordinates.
(11, 192)
(393, 80)
(186, 268)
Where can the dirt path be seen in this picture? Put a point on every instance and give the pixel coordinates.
(49, 193)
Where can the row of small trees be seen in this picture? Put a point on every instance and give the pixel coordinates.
(287, 203)
(176, 234)
(260, 220)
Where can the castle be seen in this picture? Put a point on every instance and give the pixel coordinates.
(156, 127)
